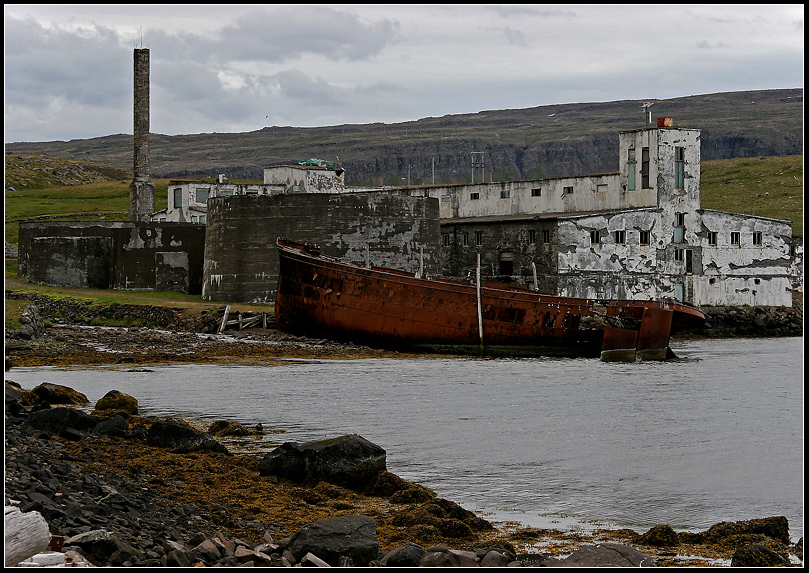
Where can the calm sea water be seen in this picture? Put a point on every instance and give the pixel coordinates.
(716, 435)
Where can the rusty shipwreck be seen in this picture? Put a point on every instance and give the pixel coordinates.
(324, 297)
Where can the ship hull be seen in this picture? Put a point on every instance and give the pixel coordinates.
(323, 297)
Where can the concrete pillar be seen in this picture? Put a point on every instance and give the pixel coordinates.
(141, 190)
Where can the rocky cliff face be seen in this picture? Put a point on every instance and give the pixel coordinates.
(546, 141)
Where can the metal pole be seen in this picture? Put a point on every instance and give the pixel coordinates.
(534, 268)
(480, 311)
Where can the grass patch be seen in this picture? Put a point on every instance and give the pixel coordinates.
(763, 186)
(13, 311)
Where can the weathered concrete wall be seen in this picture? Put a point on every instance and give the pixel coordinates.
(305, 179)
(241, 260)
(512, 245)
(750, 264)
(117, 255)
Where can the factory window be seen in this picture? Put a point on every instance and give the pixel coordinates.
(645, 237)
(536, 192)
(568, 190)
(757, 237)
(178, 197)
(595, 237)
(712, 238)
(679, 227)
(201, 194)
(735, 238)
(446, 198)
(678, 255)
(679, 167)
(474, 196)
(532, 237)
(505, 194)
(630, 175)
(478, 238)
(507, 263)
(644, 168)
(465, 239)
(601, 188)
(620, 237)
(546, 236)
(445, 239)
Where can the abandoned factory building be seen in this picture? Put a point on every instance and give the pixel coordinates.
(638, 233)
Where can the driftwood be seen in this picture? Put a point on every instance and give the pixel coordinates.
(242, 321)
(26, 534)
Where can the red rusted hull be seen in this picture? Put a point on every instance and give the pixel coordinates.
(324, 297)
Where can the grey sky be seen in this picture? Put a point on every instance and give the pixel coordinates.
(214, 68)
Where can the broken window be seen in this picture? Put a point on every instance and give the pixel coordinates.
(507, 263)
(678, 255)
(568, 190)
(679, 167)
(601, 188)
(679, 227)
(757, 237)
(735, 238)
(595, 237)
(644, 168)
(645, 237)
(201, 194)
(505, 194)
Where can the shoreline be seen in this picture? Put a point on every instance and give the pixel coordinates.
(189, 485)
(74, 346)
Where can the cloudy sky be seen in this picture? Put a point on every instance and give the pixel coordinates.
(214, 68)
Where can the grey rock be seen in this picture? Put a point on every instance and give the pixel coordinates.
(350, 461)
(608, 555)
(58, 420)
(181, 438)
(757, 555)
(407, 555)
(448, 559)
(346, 535)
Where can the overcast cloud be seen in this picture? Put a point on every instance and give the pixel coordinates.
(68, 69)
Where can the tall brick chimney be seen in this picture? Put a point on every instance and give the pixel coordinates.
(141, 190)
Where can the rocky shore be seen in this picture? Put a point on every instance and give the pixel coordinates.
(118, 489)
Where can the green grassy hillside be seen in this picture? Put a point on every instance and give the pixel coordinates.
(763, 186)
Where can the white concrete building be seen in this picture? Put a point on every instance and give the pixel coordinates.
(188, 198)
(637, 233)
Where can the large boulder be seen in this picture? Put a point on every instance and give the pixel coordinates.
(352, 536)
(179, 437)
(350, 461)
(608, 555)
(62, 420)
(116, 401)
(58, 394)
(757, 555)
(660, 536)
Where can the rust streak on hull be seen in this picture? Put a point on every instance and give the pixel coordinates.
(324, 297)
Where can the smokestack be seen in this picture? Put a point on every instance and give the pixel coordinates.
(141, 190)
